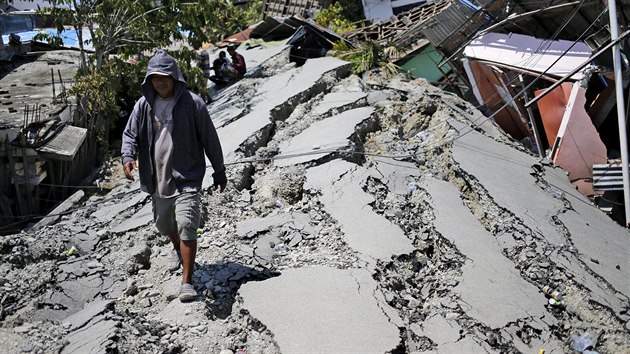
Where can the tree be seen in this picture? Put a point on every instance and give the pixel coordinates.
(129, 27)
(334, 18)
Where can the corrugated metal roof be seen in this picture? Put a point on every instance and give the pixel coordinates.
(404, 29)
(607, 177)
(292, 7)
(454, 25)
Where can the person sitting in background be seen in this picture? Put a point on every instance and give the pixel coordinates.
(223, 58)
(238, 62)
(221, 70)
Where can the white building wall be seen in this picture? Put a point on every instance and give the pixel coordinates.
(377, 10)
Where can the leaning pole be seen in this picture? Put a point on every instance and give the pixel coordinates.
(621, 115)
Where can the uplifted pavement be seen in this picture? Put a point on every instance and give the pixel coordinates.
(364, 214)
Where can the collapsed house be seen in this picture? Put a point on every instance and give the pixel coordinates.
(503, 56)
(45, 141)
(510, 61)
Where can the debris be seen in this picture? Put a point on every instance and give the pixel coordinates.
(553, 293)
(280, 249)
(145, 302)
(71, 251)
(583, 343)
(372, 217)
(555, 192)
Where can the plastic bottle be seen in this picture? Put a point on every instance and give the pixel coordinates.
(553, 293)
(555, 192)
(71, 251)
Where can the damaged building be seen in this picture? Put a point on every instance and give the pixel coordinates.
(45, 141)
(48, 147)
(511, 61)
(544, 75)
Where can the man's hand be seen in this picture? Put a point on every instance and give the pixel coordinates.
(128, 167)
(220, 187)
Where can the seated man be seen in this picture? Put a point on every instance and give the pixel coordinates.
(238, 62)
(223, 58)
(221, 68)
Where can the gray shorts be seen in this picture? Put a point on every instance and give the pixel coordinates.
(180, 214)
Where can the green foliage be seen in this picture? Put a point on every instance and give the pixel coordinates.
(129, 27)
(352, 10)
(334, 18)
(193, 75)
(368, 55)
(254, 11)
(96, 92)
(53, 41)
(130, 77)
(232, 19)
(99, 90)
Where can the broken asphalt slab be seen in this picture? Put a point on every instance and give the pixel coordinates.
(287, 89)
(603, 246)
(336, 101)
(491, 289)
(366, 232)
(322, 310)
(274, 97)
(322, 138)
(142, 217)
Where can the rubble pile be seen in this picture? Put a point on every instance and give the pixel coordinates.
(364, 214)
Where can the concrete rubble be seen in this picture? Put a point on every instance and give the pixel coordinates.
(364, 214)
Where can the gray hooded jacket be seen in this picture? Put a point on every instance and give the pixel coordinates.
(193, 132)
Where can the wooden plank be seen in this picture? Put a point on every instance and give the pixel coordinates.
(65, 145)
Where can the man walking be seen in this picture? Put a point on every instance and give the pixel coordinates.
(168, 132)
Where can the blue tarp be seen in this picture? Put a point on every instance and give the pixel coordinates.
(69, 37)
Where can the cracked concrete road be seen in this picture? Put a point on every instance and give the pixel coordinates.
(309, 304)
(364, 214)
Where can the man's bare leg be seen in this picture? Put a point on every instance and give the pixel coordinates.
(189, 251)
(175, 240)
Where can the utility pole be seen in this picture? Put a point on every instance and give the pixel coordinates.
(621, 115)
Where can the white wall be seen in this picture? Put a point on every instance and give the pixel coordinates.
(28, 5)
(377, 10)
